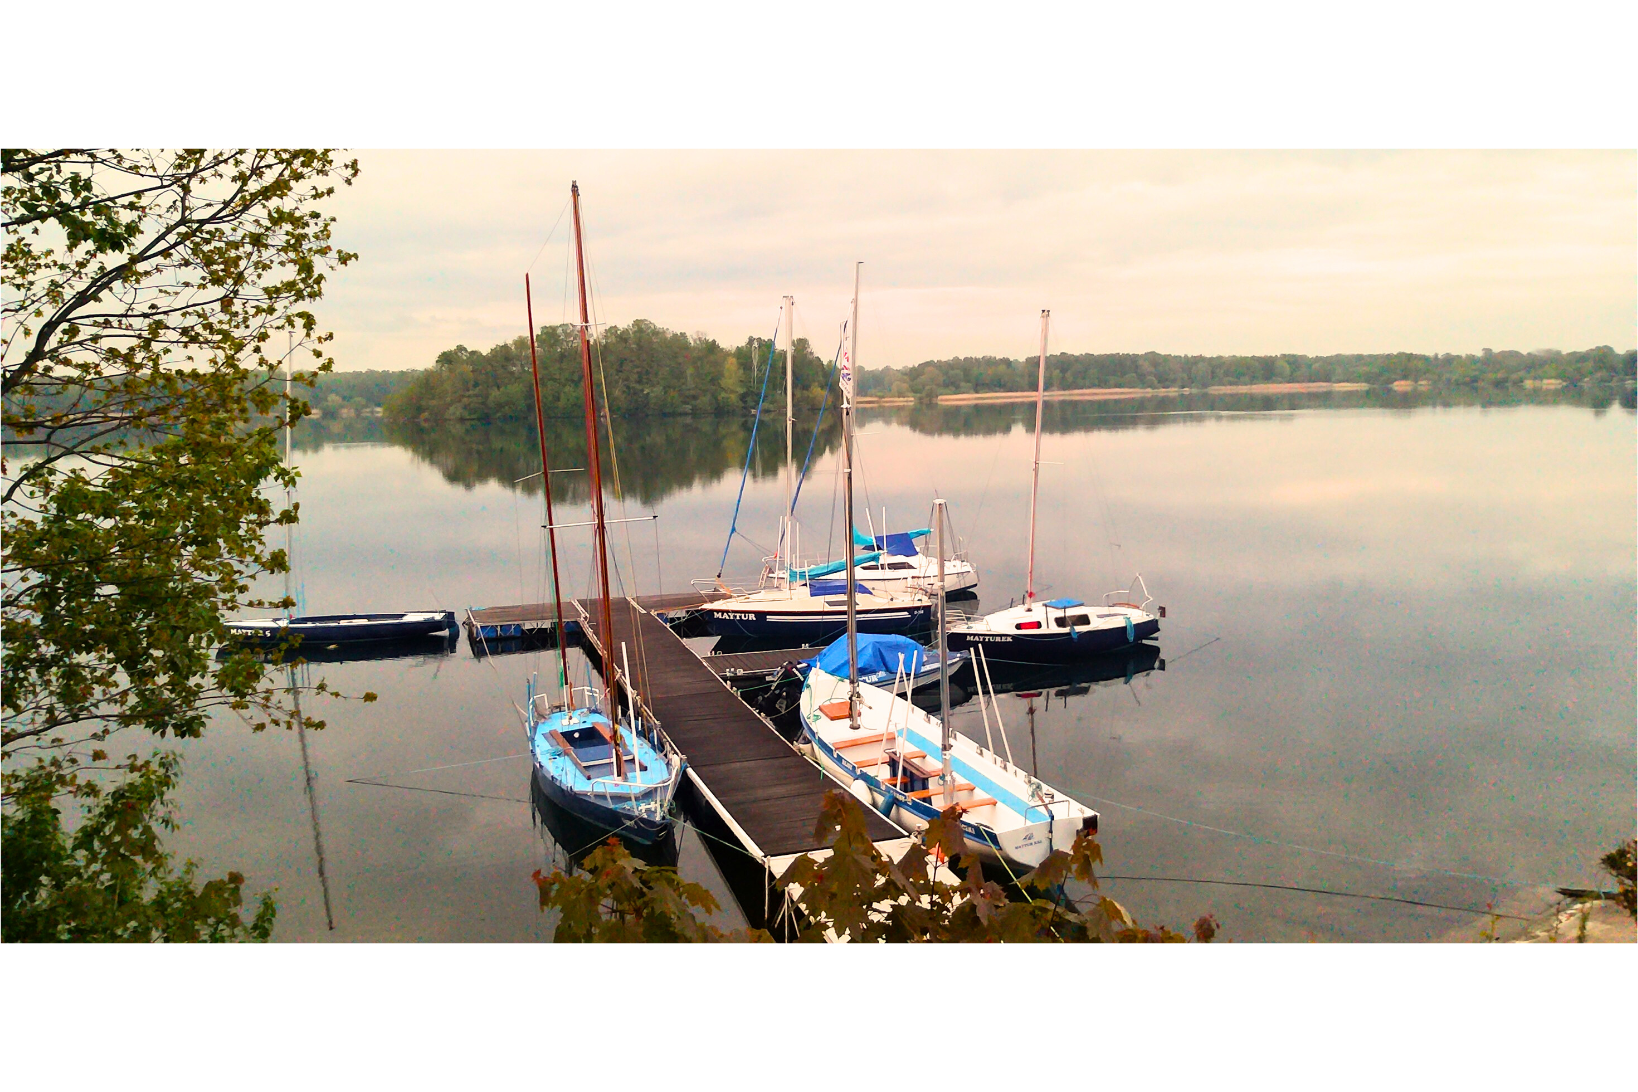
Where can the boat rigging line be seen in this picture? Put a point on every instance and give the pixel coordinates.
(745, 473)
(548, 238)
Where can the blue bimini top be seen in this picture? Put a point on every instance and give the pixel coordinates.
(1063, 604)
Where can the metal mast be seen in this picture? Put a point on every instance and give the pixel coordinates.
(1035, 477)
(546, 484)
(790, 429)
(847, 489)
(594, 462)
(944, 744)
(289, 499)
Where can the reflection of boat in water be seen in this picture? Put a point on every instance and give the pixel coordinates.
(1077, 678)
(577, 838)
(434, 647)
(531, 640)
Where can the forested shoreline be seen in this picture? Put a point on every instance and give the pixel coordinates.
(1159, 371)
(652, 371)
(643, 369)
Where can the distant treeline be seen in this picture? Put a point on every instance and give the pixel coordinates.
(647, 371)
(1080, 371)
(651, 371)
(358, 391)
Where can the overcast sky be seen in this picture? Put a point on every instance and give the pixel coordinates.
(1184, 252)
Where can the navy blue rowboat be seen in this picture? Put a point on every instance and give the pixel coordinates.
(329, 629)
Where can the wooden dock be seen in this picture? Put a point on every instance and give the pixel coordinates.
(755, 665)
(526, 619)
(748, 786)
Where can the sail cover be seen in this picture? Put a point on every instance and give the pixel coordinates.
(816, 571)
(900, 544)
(877, 652)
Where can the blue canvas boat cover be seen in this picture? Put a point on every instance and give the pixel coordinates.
(827, 587)
(877, 652)
(832, 567)
(1064, 604)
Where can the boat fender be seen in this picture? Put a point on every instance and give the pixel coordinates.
(1129, 634)
(861, 792)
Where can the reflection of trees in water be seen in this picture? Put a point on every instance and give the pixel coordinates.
(1155, 411)
(313, 433)
(658, 455)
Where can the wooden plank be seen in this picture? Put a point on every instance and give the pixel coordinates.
(755, 662)
(546, 613)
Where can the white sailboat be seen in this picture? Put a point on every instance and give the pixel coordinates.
(1064, 629)
(797, 605)
(900, 562)
(877, 742)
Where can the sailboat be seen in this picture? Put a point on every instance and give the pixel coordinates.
(901, 563)
(1063, 629)
(619, 777)
(800, 605)
(878, 743)
(329, 629)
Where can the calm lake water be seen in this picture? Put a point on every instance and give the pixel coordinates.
(1399, 652)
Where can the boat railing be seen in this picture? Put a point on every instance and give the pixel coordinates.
(658, 794)
(578, 697)
(716, 584)
(1129, 596)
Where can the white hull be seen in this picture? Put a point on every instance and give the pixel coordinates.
(1008, 816)
(920, 572)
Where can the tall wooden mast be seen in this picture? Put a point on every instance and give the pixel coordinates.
(594, 462)
(946, 745)
(546, 484)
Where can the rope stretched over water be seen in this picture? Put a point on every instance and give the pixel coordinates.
(1494, 881)
(1320, 891)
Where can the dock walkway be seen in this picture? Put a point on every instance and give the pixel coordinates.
(760, 791)
(759, 665)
